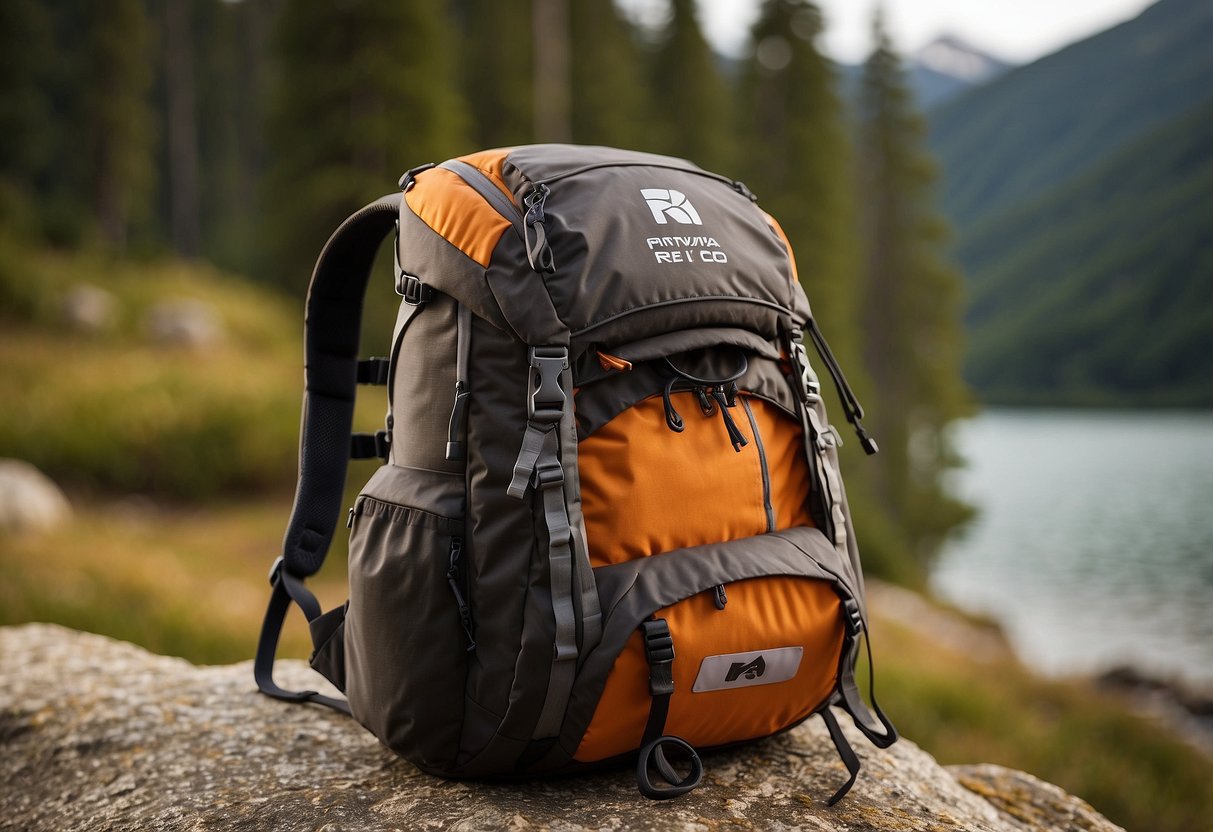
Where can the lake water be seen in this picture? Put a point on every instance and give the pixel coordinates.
(1094, 546)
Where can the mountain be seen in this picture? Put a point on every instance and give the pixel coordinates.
(947, 66)
(936, 73)
(1081, 191)
(1040, 124)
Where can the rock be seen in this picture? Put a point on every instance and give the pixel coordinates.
(184, 322)
(29, 500)
(88, 309)
(98, 734)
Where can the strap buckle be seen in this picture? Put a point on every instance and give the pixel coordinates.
(659, 653)
(810, 385)
(852, 617)
(549, 474)
(414, 292)
(546, 399)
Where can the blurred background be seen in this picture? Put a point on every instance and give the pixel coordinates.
(1003, 218)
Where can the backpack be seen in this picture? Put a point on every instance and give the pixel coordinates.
(610, 524)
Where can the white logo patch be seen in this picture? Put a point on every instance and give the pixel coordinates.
(743, 670)
(669, 205)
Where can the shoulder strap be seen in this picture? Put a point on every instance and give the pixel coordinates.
(331, 333)
(332, 329)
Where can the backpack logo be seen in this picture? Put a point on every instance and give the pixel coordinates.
(743, 670)
(669, 205)
(752, 670)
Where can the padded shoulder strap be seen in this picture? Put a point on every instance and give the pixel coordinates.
(332, 329)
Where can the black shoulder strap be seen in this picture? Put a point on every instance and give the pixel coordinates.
(331, 334)
(332, 329)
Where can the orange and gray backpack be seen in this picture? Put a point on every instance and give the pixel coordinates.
(610, 523)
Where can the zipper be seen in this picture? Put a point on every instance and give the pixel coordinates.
(762, 461)
(488, 189)
(455, 579)
(457, 427)
(538, 252)
(719, 598)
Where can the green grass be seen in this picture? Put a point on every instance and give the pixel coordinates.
(114, 412)
(967, 710)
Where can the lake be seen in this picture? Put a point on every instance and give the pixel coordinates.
(1094, 544)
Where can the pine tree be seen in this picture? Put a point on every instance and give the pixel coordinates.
(118, 133)
(497, 70)
(364, 90)
(694, 99)
(609, 103)
(911, 307)
(797, 158)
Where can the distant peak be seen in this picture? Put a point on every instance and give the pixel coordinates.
(950, 55)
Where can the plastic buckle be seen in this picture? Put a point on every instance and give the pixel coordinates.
(406, 181)
(549, 474)
(414, 292)
(809, 383)
(276, 570)
(546, 400)
(852, 617)
(659, 653)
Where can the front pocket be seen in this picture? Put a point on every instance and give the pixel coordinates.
(765, 661)
(405, 640)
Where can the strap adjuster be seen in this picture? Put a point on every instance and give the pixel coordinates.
(659, 653)
(371, 445)
(414, 292)
(373, 370)
(852, 617)
(549, 474)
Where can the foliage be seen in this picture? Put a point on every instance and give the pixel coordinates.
(112, 411)
(1100, 289)
(967, 708)
(909, 310)
(359, 88)
(1079, 189)
(691, 94)
(1033, 128)
(612, 105)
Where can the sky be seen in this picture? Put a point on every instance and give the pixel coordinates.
(1019, 31)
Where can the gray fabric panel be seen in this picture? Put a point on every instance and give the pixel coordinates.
(405, 649)
(669, 343)
(632, 591)
(501, 530)
(603, 400)
(438, 492)
(535, 163)
(423, 388)
(613, 255)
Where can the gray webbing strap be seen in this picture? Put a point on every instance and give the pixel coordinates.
(528, 457)
(549, 480)
(822, 437)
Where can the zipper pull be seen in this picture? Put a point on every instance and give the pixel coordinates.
(719, 596)
(452, 579)
(458, 423)
(538, 252)
(735, 435)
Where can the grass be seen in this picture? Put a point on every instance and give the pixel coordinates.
(968, 709)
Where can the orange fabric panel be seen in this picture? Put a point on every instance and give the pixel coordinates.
(489, 163)
(646, 489)
(783, 440)
(761, 613)
(456, 211)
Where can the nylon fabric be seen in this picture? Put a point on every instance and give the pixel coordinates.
(454, 210)
(762, 613)
(647, 490)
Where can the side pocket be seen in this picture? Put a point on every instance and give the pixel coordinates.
(405, 642)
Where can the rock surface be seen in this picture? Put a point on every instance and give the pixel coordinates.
(97, 734)
(29, 500)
